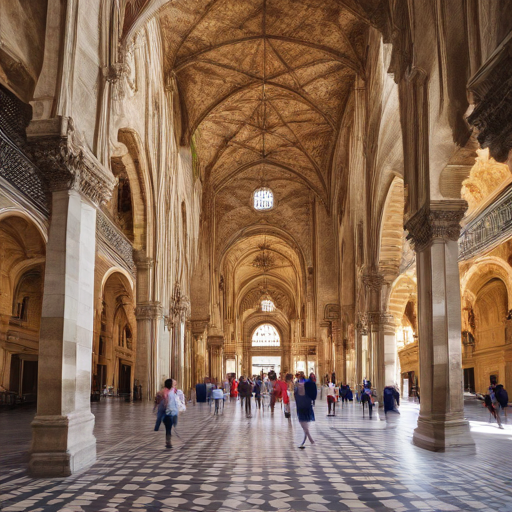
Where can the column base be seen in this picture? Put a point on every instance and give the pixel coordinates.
(444, 436)
(62, 445)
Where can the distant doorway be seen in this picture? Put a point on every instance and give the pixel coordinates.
(469, 380)
(125, 377)
(265, 364)
(23, 375)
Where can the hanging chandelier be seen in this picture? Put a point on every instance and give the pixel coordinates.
(264, 261)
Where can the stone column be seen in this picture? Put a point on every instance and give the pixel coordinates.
(324, 364)
(216, 356)
(373, 282)
(390, 355)
(434, 231)
(62, 430)
(198, 328)
(148, 314)
(361, 338)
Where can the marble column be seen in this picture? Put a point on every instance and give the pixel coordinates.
(434, 231)
(62, 430)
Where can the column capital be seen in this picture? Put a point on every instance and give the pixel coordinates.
(438, 221)
(215, 341)
(66, 163)
(199, 326)
(142, 262)
(148, 310)
(373, 280)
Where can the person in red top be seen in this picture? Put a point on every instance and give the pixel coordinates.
(281, 392)
(234, 388)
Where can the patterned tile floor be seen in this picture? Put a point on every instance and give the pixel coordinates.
(231, 463)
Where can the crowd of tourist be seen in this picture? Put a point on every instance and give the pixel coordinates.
(286, 388)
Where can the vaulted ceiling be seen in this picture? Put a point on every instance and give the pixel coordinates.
(263, 83)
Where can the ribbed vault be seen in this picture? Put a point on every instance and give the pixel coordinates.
(263, 83)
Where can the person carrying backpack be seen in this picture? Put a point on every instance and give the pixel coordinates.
(502, 398)
(367, 397)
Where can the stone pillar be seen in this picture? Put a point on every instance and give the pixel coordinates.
(324, 363)
(361, 338)
(199, 355)
(390, 352)
(148, 316)
(62, 430)
(144, 313)
(216, 356)
(373, 282)
(434, 231)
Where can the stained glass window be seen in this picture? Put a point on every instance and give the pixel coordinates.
(263, 199)
(266, 335)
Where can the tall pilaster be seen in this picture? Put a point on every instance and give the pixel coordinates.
(62, 430)
(434, 231)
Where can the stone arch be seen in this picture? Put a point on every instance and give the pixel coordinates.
(401, 291)
(391, 229)
(22, 258)
(134, 164)
(486, 353)
(115, 334)
(42, 227)
(480, 273)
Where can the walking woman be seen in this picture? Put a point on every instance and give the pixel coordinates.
(171, 411)
(305, 394)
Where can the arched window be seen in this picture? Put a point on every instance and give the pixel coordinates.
(266, 335)
(267, 305)
(263, 199)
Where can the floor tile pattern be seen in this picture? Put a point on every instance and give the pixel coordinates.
(232, 463)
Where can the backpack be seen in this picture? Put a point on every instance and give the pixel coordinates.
(502, 396)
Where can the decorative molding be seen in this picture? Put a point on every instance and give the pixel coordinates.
(67, 164)
(15, 166)
(148, 310)
(491, 89)
(490, 228)
(215, 341)
(113, 243)
(438, 221)
(332, 312)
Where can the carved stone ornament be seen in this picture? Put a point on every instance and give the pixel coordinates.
(148, 310)
(373, 281)
(438, 221)
(491, 88)
(114, 243)
(362, 323)
(332, 312)
(67, 164)
(490, 228)
(179, 308)
(215, 341)
(198, 326)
